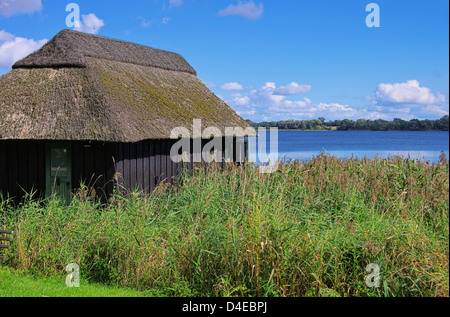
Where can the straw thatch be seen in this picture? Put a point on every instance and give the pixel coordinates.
(70, 49)
(85, 87)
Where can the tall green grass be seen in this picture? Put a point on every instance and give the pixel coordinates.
(309, 229)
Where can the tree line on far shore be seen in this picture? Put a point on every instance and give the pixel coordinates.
(321, 124)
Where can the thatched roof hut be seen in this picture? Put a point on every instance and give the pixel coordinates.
(86, 108)
(85, 87)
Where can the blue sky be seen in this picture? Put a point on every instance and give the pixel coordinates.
(273, 60)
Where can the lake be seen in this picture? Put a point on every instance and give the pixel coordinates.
(304, 145)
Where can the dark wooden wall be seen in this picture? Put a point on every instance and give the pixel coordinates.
(97, 165)
(93, 165)
(144, 165)
(22, 168)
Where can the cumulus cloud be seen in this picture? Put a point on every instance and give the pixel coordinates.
(90, 24)
(409, 100)
(269, 93)
(15, 7)
(306, 109)
(246, 113)
(289, 106)
(268, 100)
(293, 89)
(409, 92)
(5, 36)
(248, 10)
(240, 100)
(14, 48)
(330, 109)
(232, 86)
(268, 96)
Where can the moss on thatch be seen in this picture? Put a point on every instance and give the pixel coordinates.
(54, 104)
(105, 100)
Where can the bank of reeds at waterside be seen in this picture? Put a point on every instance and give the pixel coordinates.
(309, 229)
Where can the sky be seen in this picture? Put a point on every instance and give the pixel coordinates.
(272, 60)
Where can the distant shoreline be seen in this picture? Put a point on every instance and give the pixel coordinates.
(362, 130)
(321, 124)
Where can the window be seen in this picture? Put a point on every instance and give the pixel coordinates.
(58, 163)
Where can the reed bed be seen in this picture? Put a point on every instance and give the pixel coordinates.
(309, 229)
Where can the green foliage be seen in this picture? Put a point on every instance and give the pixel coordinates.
(358, 125)
(309, 229)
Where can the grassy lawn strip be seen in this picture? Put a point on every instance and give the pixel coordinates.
(18, 285)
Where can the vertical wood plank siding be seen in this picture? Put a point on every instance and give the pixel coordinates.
(93, 165)
(146, 163)
(98, 165)
(22, 169)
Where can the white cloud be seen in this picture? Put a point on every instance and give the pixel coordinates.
(267, 94)
(90, 24)
(437, 110)
(267, 100)
(408, 100)
(270, 102)
(239, 100)
(246, 113)
(308, 110)
(404, 100)
(165, 20)
(374, 116)
(409, 92)
(5, 36)
(248, 10)
(293, 89)
(277, 97)
(175, 3)
(324, 108)
(15, 7)
(14, 48)
(263, 96)
(232, 86)
(289, 105)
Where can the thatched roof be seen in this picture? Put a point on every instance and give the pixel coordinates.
(85, 87)
(70, 49)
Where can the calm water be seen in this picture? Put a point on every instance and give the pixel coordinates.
(305, 144)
